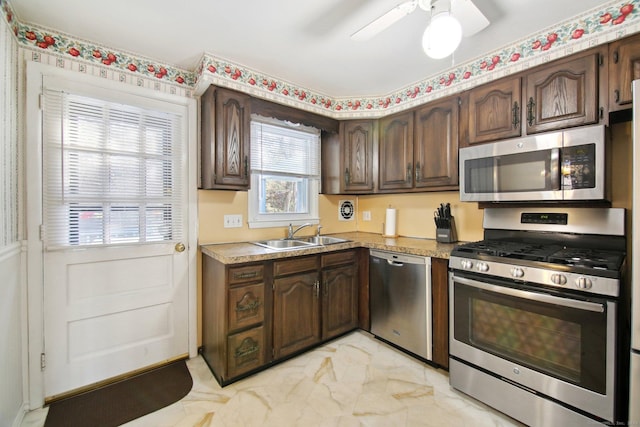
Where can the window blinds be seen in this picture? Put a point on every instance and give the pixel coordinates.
(285, 150)
(112, 172)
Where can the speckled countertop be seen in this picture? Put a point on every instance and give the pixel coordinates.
(236, 253)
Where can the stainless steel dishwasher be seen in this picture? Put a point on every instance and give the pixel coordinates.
(400, 300)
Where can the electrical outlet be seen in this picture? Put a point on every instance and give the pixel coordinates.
(233, 221)
(366, 215)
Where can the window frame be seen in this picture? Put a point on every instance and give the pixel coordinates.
(267, 220)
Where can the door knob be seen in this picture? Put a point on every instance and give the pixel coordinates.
(180, 247)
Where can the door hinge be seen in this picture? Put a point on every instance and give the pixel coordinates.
(43, 361)
(40, 101)
(41, 231)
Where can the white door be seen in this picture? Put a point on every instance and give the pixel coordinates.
(114, 196)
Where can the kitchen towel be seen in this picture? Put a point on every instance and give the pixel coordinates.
(390, 223)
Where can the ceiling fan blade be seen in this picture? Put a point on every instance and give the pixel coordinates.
(470, 17)
(385, 21)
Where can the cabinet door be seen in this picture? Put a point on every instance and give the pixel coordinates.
(440, 310)
(296, 313)
(396, 152)
(233, 120)
(358, 138)
(436, 144)
(562, 95)
(624, 67)
(339, 300)
(494, 111)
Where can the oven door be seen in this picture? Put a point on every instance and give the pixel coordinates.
(558, 346)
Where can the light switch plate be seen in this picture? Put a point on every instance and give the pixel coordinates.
(233, 221)
(366, 215)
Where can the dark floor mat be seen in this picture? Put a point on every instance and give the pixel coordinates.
(123, 401)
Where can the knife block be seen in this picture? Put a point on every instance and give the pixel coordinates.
(447, 235)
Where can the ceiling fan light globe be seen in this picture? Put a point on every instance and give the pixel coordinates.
(442, 36)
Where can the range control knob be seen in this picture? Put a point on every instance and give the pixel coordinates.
(559, 279)
(466, 264)
(583, 283)
(517, 272)
(482, 266)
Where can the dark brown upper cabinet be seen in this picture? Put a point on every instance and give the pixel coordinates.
(436, 145)
(357, 138)
(493, 112)
(396, 166)
(624, 67)
(225, 141)
(564, 93)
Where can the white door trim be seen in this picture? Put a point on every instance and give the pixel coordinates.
(33, 161)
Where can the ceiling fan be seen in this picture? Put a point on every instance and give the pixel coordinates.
(450, 20)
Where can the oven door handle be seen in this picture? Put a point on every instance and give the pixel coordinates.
(565, 302)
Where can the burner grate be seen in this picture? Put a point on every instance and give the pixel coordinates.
(545, 252)
(588, 258)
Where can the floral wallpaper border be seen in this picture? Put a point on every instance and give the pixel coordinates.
(612, 20)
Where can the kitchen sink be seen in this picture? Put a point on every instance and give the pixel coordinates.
(281, 244)
(323, 240)
(300, 243)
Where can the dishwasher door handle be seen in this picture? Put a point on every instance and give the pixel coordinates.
(395, 263)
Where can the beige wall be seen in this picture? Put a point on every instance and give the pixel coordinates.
(214, 204)
(414, 217)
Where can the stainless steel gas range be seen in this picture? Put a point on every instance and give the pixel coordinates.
(535, 313)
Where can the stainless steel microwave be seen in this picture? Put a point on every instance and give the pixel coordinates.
(564, 165)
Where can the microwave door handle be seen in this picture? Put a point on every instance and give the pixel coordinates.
(555, 168)
(534, 296)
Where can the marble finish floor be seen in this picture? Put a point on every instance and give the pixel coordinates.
(355, 380)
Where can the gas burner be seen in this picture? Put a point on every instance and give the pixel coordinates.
(588, 258)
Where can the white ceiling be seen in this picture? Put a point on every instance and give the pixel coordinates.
(305, 42)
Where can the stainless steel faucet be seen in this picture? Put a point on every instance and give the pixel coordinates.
(318, 232)
(292, 231)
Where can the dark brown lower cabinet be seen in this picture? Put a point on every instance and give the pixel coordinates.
(235, 318)
(440, 310)
(296, 314)
(315, 298)
(339, 293)
(257, 313)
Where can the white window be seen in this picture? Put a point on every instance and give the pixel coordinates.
(110, 172)
(285, 173)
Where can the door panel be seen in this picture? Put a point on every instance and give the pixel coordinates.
(109, 311)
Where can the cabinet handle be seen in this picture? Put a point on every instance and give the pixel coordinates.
(530, 107)
(617, 95)
(316, 286)
(347, 177)
(245, 275)
(418, 172)
(516, 114)
(409, 172)
(246, 166)
(247, 348)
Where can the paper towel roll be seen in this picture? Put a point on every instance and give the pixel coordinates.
(390, 223)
